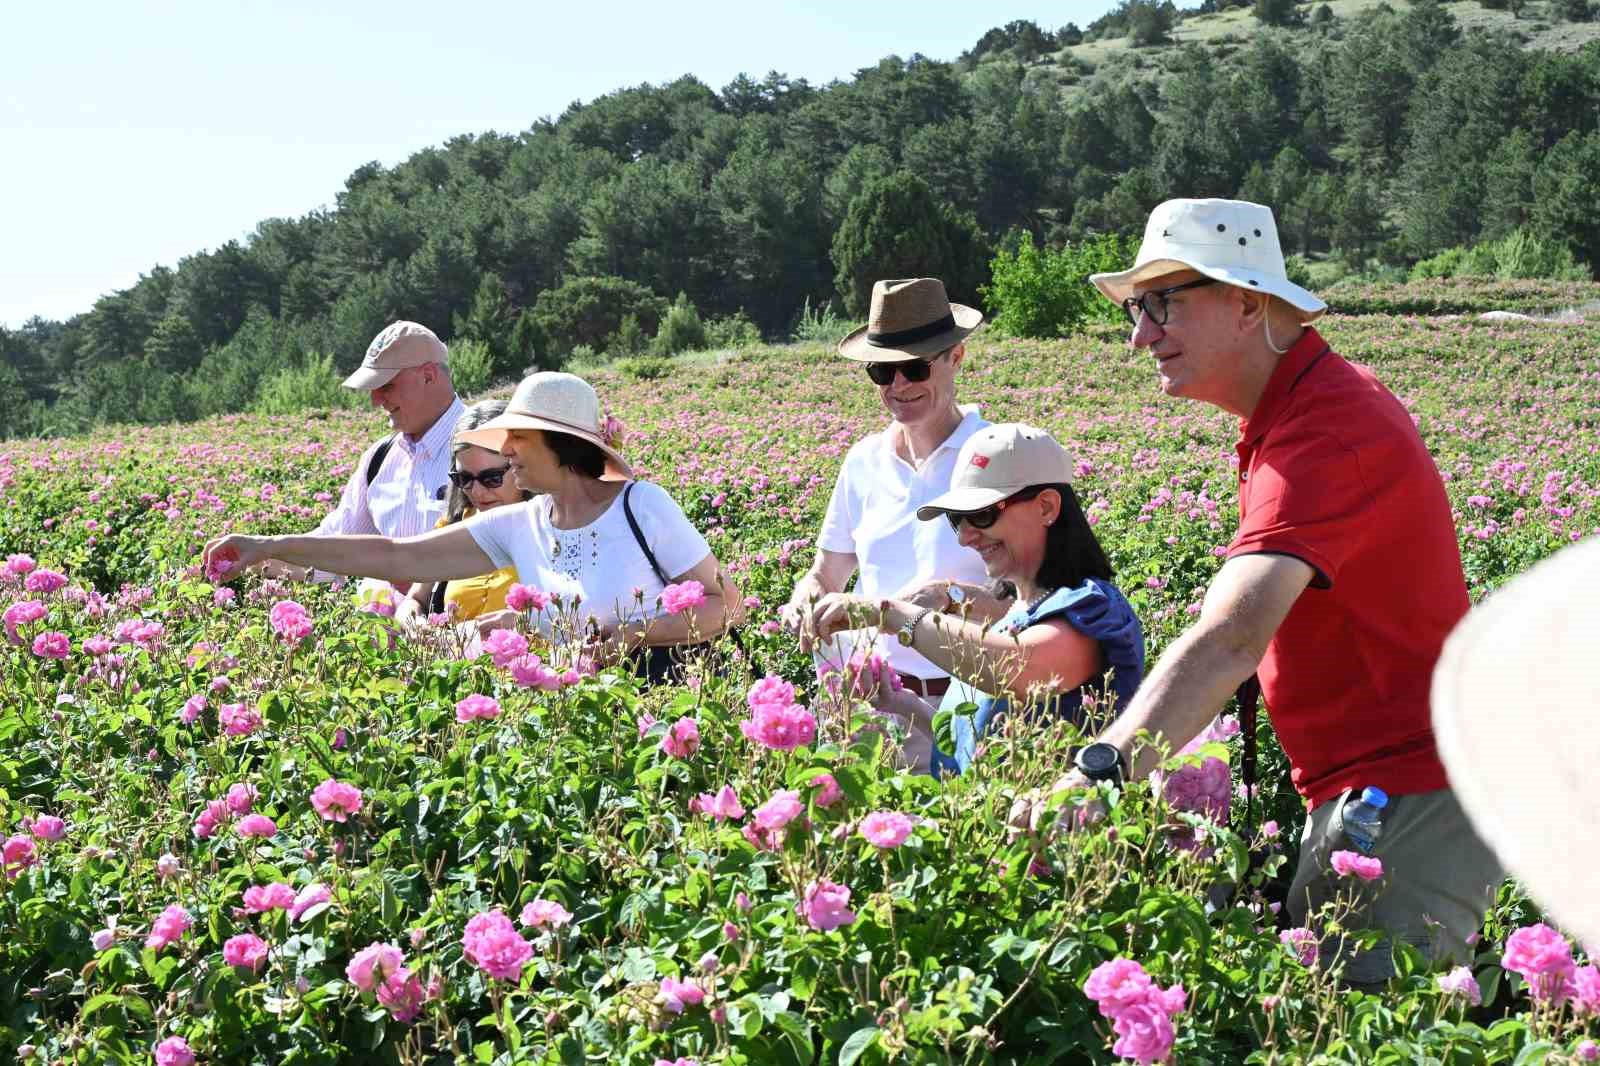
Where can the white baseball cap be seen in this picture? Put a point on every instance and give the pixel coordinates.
(1233, 241)
(1516, 713)
(997, 462)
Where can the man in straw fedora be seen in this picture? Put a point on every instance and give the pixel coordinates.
(396, 488)
(910, 348)
(1527, 783)
(1339, 588)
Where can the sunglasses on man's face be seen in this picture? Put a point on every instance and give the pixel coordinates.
(989, 515)
(489, 479)
(882, 374)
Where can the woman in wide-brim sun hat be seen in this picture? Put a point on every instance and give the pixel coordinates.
(592, 536)
(1071, 638)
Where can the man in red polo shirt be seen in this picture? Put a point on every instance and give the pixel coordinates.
(1339, 589)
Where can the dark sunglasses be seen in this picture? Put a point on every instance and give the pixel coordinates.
(489, 479)
(990, 515)
(914, 370)
(1154, 303)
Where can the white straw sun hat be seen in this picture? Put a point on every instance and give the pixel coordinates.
(561, 403)
(1233, 241)
(1516, 710)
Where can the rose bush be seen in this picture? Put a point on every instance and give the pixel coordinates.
(250, 836)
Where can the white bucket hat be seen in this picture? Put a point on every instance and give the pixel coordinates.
(561, 403)
(1233, 241)
(1516, 712)
(997, 462)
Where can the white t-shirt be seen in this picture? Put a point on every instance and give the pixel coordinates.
(873, 516)
(601, 562)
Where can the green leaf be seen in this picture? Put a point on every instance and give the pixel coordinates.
(859, 1042)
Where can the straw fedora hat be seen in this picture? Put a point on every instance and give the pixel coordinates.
(1516, 711)
(1234, 241)
(910, 318)
(561, 403)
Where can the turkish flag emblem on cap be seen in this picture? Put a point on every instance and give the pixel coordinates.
(980, 461)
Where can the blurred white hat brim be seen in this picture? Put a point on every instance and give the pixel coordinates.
(1516, 712)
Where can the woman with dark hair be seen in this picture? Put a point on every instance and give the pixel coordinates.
(480, 480)
(602, 546)
(1071, 634)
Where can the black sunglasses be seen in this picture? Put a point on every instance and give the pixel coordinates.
(1154, 303)
(913, 370)
(489, 479)
(990, 515)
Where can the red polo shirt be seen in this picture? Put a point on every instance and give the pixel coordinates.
(1333, 472)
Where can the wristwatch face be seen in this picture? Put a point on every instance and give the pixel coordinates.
(1100, 762)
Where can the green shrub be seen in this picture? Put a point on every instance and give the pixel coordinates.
(821, 325)
(627, 340)
(645, 367)
(1042, 292)
(312, 385)
(589, 309)
(681, 329)
(732, 331)
(472, 366)
(1518, 255)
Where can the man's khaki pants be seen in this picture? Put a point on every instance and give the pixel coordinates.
(1438, 880)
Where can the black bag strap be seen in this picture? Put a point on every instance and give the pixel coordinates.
(638, 535)
(436, 601)
(1249, 696)
(376, 462)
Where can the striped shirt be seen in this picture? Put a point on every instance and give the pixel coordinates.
(406, 497)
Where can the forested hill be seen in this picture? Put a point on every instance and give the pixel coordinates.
(1380, 134)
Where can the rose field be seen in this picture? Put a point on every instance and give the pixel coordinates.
(235, 834)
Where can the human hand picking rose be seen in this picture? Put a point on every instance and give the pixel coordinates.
(229, 556)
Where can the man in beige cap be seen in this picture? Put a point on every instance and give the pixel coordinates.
(912, 345)
(1339, 588)
(397, 486)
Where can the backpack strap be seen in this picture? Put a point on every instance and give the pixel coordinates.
(376, 462)
(638, 535)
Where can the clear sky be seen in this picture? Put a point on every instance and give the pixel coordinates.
(137, 133)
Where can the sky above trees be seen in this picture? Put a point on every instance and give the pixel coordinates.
(139, 134)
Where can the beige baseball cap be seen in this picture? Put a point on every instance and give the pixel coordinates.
(1000, 461)
(1516, 713)
(400, 346)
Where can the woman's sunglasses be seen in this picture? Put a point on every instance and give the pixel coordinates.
(912, 370)
(489, 479)
(990, 515)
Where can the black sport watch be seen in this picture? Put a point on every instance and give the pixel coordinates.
(1102, 762)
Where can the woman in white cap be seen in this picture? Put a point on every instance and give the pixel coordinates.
(480, 480)
(605, 544)
(1011, 501)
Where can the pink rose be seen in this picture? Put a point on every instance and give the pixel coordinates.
(239, 719)
(402, 995)
(529, 672)
(48, 827)
(1460, 982)
(168, 928)
(193, 708)
(1365, 867)
(256, 825)
(1585, 989)
(825, 906)
(17, 854)
(45, 582)
(780, 728)
(308, 897)
(1204, 788)
(675, 995)
(18, 564)
(770, 691)
(494, 946)
(336, 801)
(258, 899)
(724, 805)
(476, 706)
(372, 964)
(780, 810)
(1116, 985)
(1303, 942)
(52, 645)
(1144, 1033)
(245, 952)
(290, 621)
(683, 596)
(505, 645)
(1544, 959)
(522, 598)
(682, 739)
(886, 829)
(174, 1051)
(241, 797)
(545, 912)
(828, 790)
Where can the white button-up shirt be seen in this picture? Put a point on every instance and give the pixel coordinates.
(404, 498)
(873, 516)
